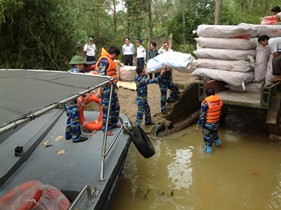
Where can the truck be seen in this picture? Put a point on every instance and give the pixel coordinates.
(264, 105)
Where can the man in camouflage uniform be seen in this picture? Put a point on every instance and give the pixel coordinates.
(167, 82)
(106, 66)
(73, 129)
(142, 80)
(210, 113)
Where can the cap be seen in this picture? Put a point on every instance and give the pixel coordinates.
(77, 60)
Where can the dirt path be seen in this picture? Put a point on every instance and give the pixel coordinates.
(127, 98)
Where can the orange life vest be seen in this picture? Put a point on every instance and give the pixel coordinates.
(214, 108)
(111, 70)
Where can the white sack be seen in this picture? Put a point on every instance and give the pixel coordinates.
(261, 62)
(222, 43)
(128, 73)
(230, 77)
(228, 65)
(269, 76)
(223, 54)
(175, 60)
(249, 87)
(226, 31)
(269, 30)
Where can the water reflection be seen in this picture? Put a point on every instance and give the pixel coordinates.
(180, 170)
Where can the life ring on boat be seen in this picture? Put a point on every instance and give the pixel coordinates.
(32, 194)
(82, 104)
(141, 141)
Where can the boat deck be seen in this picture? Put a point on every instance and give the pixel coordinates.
(66, 165)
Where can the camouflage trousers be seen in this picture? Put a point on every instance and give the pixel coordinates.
(143, 109)
(72, 124)
(164, 86)
(115, 108)
(210, 133)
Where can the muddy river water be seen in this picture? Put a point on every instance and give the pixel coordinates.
(245, 173)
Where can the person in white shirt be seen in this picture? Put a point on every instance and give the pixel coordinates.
(165, 48)
(128, 52)
(141, 53)
(90, 50)
(274, 45)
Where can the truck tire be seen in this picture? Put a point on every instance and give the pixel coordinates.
(142, 142)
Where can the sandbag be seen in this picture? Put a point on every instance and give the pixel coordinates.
(269, 76)
(226, 31)
(223, 43)
(249, 87)
(269, 30)
(225, 54)
(230, 77)
(228, 65)
(127, 73)
(261, 62)
(179, 61)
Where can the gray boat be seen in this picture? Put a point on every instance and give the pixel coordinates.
(32, 138)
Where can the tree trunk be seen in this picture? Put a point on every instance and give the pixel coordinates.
(218, 12)
(114, 16)
(183, 12)
(150, 20)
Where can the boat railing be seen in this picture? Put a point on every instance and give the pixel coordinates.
(91, 193)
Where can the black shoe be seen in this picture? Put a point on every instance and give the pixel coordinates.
(149, 123)
(67, 138)
(81, 139)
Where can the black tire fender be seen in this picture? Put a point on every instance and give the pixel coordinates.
(142, 142)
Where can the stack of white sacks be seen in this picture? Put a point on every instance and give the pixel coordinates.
(233, 55)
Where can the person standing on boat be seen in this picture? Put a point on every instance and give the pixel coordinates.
(105, 66)
(73, 129)
(209, 118)
(167, 82)
(142, 80)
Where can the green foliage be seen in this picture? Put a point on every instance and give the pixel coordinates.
(46, 34)
(35, 34)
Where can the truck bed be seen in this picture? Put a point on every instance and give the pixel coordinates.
(238, 98)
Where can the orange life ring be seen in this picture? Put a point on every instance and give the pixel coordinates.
(82, 104)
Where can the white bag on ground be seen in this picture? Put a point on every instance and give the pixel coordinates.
(249, 87)
(225, 54)
(128, 73)
(228, 65)
(175, 60)
(226, 31)
(230, 77)
(222, 43)
(261, 62)
(269, 76)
